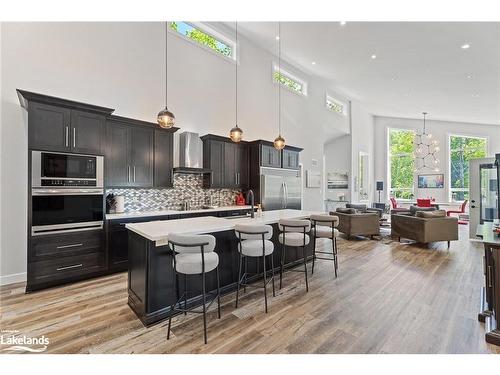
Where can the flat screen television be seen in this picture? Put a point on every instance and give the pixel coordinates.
(431, 181)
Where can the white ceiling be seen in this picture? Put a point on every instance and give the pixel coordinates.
(420, 66)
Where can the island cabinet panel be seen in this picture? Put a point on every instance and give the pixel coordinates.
(152, 284)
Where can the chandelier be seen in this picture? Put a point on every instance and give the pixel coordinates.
(426, 149)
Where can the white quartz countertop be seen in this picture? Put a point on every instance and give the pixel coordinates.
(158, 230)
(137, 214)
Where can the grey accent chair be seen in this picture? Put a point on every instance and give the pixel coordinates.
(352, 223)
(363, 208)
(254, 241)
(193, 255)
(294, 233)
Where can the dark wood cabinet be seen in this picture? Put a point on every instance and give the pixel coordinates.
(56, 124)
(290, 158)
(138, 154)
(227, 160)
(48, 127)
(270, 157)
(54, 259)
(213, 158)
(163, 159)
(87, 132)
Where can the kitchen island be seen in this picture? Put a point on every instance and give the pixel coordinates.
(151, 286)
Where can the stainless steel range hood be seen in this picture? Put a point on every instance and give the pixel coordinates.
(190, 154)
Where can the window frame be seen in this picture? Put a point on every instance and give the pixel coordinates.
(451, 190)
(328, 97)
(234, 57)
(291, 76)
(390, 189)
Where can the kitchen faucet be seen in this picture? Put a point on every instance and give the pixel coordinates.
(250, 196)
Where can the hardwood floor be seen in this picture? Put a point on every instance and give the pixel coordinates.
(388, 298)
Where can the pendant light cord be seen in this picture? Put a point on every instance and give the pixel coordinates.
(279, 78)
(166, 63)
(236, 73)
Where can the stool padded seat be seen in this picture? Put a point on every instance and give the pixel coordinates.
(294, 239)
(324, 232)
(253, 248)
(190, 263)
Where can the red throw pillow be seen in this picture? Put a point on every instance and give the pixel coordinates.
(424, 203)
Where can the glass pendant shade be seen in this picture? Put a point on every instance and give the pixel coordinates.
(236, 134)
(166, 119)
(279, 143)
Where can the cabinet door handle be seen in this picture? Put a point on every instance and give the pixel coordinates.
(67, 136)
(67, 246)
(128, 173)
(212, 178)
(74, 137)
(69, 267)
(134, 173)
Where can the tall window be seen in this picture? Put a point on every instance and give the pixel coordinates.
(402, 163)
(206, 36)
(288, 80)
(463, 149)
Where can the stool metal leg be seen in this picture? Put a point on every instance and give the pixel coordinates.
(239, 279)
(265, 281)
(335, 259)
(245, 275)
(282, 263)
(185, 293)
(305, 267)
(314, 252)
(172, 306)
(272, 266)
(218, 291)
(204, 310)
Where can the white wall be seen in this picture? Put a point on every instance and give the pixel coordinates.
(338, 159)
(440, 131)
(121, 65)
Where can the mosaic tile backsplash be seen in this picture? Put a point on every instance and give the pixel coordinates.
(187, 188)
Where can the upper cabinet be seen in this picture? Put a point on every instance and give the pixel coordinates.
(63, 125)
(138, 154)
(263, 154)
(227, 160)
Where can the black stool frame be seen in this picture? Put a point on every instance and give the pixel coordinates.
(334, 245)
(184, 295)
(283, 246)
(245, 274)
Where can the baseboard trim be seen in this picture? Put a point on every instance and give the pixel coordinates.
(13, 278)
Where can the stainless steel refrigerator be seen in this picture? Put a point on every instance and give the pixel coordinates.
(280, 189)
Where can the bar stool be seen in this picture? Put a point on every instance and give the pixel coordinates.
(193, 255)
(323, 226)
(294, 233)
(254, 242)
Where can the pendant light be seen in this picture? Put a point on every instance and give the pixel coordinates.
(279, 142)
(166, 119)
(236, 133)
(426, 150)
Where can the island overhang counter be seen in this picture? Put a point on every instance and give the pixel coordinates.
(151, 283)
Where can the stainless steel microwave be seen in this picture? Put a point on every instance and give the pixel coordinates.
(63, 170)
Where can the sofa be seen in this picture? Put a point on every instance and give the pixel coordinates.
(362, 208)
(356, 223)
(425, 226)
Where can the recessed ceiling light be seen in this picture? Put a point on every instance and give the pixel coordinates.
(393, 78)
(475, 95)
(374, 57)
(277, 37)
(465, 46)
(469, 76)
(314, 63)
(342, 23)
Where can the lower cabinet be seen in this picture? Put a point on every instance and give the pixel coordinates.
(60, 258)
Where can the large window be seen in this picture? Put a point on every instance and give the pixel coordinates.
(463, 149)
(401, 163)
(206, 36)
(288, 80)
